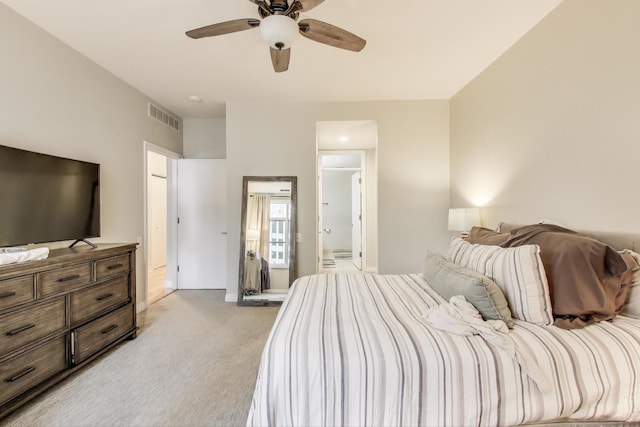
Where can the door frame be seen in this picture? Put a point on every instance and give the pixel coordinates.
(363, 200)
(172, 218)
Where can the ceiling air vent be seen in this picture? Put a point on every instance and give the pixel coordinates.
(163, 116)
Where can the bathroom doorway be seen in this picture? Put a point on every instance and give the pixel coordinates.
(347, 196)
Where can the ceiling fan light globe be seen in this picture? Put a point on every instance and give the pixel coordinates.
(278, 31)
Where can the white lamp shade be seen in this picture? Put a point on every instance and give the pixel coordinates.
(278, 31)
(463, 219)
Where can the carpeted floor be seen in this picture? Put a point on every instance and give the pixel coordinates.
(194, 363)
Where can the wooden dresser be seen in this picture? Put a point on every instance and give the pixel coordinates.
(58, 314)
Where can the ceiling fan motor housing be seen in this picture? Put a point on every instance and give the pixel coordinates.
(278, 31)
(278, 6)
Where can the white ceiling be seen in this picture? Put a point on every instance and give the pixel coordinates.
(416, 49)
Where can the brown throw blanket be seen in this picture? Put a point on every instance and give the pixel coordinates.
(588, 280)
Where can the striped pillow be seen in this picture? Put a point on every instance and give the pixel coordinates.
(517, 271)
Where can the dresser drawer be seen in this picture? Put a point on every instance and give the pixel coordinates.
(24, 326)
(90, 301)
(112, 266)
(16, 291)
(27, 370)
(94, 336)
(64, 279)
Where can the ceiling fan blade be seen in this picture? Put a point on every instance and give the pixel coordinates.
(329, 34)
(309, 4)
(223, 28)
(280, 59)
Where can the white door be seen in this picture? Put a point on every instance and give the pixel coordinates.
(202, 226)
(356, 220)
(158, 219)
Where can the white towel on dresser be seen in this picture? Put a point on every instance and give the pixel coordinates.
(460, 317)
(30, 255)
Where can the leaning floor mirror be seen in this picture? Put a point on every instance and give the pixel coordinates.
(267, 239)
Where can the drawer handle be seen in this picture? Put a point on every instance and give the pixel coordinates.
(109, 329)
(7, 294)
(67, 278)
(114, 266)
(20, 329)
(20, 375)
(105, 296)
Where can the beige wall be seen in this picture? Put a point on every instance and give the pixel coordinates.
(550, 130)
(413, 172)
(55, 101)
(204, 138)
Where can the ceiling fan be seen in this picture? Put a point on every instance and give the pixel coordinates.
(278, 27)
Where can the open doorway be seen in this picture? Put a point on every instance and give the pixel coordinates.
(341, 213)
(160, 249)
(347, 196)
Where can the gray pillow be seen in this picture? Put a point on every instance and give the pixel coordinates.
(450, 279)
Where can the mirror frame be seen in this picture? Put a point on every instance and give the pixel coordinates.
(243, 233)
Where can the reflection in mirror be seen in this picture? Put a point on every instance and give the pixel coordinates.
(267, 239)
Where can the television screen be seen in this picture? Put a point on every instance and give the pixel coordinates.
(46, 198)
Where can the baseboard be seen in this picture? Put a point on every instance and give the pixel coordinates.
(231, 297)
(141, 306)
(370, 270)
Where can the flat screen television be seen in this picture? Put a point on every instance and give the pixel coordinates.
(46, 198)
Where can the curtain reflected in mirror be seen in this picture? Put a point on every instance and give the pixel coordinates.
(267, 247)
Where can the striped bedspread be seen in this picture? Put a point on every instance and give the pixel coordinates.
(354, 350)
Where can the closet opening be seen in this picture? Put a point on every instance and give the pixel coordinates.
(160, 222)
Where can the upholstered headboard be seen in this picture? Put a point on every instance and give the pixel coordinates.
(615, 240)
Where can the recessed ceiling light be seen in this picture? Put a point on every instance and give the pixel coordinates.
(194, 98)
(344, 139)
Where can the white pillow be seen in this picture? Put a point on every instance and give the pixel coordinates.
(517, 271)
(632, 306)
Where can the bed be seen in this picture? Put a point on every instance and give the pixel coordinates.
(355, 349)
